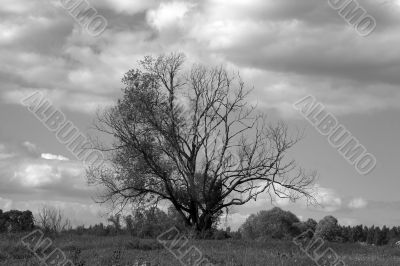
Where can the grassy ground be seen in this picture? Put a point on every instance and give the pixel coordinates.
(126, 251)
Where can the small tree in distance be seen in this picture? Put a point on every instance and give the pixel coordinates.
(274, 223)
(219, 154)
(328, 228)
(52, 220)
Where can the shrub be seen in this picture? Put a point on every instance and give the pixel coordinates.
(274, 223)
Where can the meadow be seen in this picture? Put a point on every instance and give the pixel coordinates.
(127, 251)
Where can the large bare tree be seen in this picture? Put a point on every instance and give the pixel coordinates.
(190, 138)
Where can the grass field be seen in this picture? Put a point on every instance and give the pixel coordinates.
(124, 250)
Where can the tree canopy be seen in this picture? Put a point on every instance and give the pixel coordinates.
(191, 138)
(274, 223)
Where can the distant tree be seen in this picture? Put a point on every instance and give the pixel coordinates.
(299, 227)
(148, 223)
(115, 220)
(175, 218)
(328, 228)
(52, 220)
(357, 234)
(3, 221)
(248, 228)
(16, 221)
(393, 235)
(129, 223)
(382, 237)
(26, 221)
(219, 155)
(311, 224)
(344, 233)
(99, 230)
(274, 223)
(371, 235)
(365, 234)
(156, 222)
(378, 238)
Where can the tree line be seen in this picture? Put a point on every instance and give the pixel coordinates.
(280, 224)
(149, 223)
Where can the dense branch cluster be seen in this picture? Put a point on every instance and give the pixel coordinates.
(192, 139)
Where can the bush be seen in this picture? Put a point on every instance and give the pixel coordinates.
(16, 221)
(274, 223)
(328, 229)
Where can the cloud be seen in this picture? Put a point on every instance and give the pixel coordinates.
(168, 14)
(285, 49)
(30, 147)
(328, 199)
(348, 221)
(234, 221)
(36, 175)
(49, 156)
(30, 180)
(43, 176)
(4, 154)
(5, 204)
(127, 6)
(357, 203)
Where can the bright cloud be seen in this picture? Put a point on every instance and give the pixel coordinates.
(35, 175)
(357, 203)
(328, 199)
(49, 156)
(168, 14)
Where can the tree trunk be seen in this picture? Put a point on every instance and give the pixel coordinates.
(204, 226)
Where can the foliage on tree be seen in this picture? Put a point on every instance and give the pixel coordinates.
(274, 223)
(193, 140)
(116, 222)
(16, 221)
(328, 228)
(150, 222)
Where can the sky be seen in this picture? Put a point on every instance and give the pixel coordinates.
(284, 49)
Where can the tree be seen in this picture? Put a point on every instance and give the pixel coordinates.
(148, 222)
(357, 234)
(175, 218)
(248, 228)
(378, 236)
(3, 221)
(370, 235)
(52, 220)
(311, 224)
(129, 222)
(219, 154)
(385, 235)
(327, 228)
(275, 223)
(16, 221)
(116, 222)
